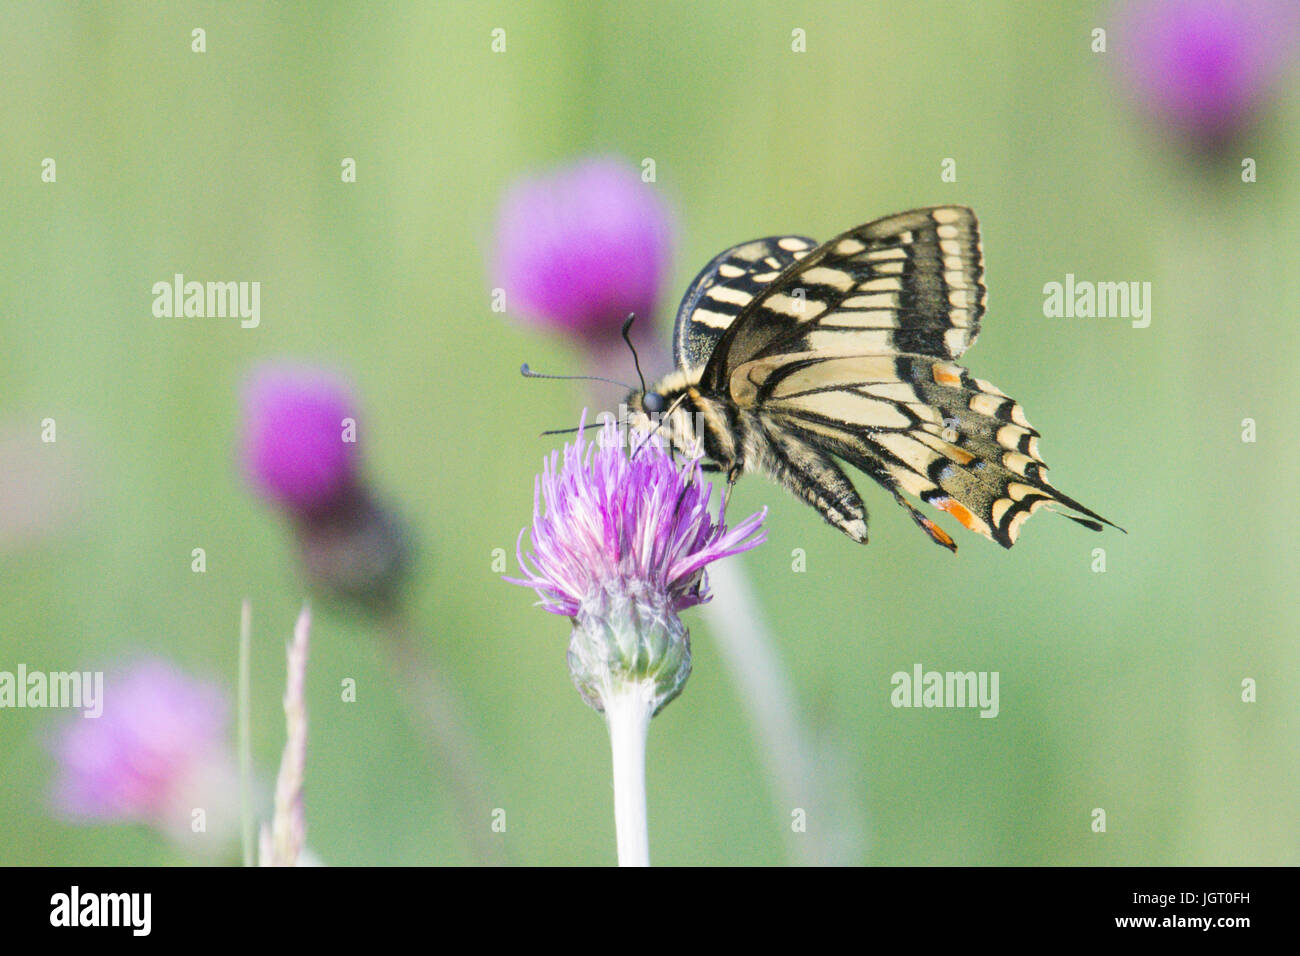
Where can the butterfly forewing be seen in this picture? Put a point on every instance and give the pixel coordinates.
(907, 283)
(724, 287)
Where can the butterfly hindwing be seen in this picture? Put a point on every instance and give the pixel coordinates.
(724, 287)
(915, 424)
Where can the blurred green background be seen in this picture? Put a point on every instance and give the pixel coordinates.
(1119, 690)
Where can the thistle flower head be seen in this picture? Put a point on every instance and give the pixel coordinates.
(620, 545)
(159, 750)
(580, 248)
(607, 522)
(297, 447)
(1202, 67)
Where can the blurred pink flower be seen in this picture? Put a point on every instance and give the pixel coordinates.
(300, 451)
(581, 247)
(1203, 67)
(294, 444)
(159, 750)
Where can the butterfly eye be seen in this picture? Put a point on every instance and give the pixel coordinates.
(653, 402)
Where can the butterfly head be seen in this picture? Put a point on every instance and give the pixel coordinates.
(667, 410)
(653, 403)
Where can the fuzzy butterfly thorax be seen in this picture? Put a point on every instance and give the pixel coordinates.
(793, 355)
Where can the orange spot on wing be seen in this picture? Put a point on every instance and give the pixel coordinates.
(945, 376)
(960, 512)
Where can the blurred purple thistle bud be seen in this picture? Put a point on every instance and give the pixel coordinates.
(1203, 68)
(578, 250)
(300, 427)
(581, 247)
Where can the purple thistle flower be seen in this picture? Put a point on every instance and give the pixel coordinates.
(1204, 66)
(159, 749)
(299, 450)
(294, 445)
(612, 522)
(620, 545)
(620, 548)
(580, 248)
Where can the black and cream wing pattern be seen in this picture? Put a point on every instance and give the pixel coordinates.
(724, 287)
(848, 350)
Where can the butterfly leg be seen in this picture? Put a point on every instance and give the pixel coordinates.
(732, 477)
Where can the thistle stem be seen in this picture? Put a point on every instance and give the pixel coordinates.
(438, 716)
(627, 714)
(788, 752)
(247, 837)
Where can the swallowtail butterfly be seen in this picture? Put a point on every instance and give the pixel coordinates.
(791, 354)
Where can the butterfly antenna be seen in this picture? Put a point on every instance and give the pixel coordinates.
(628, 339)
(526, 372)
